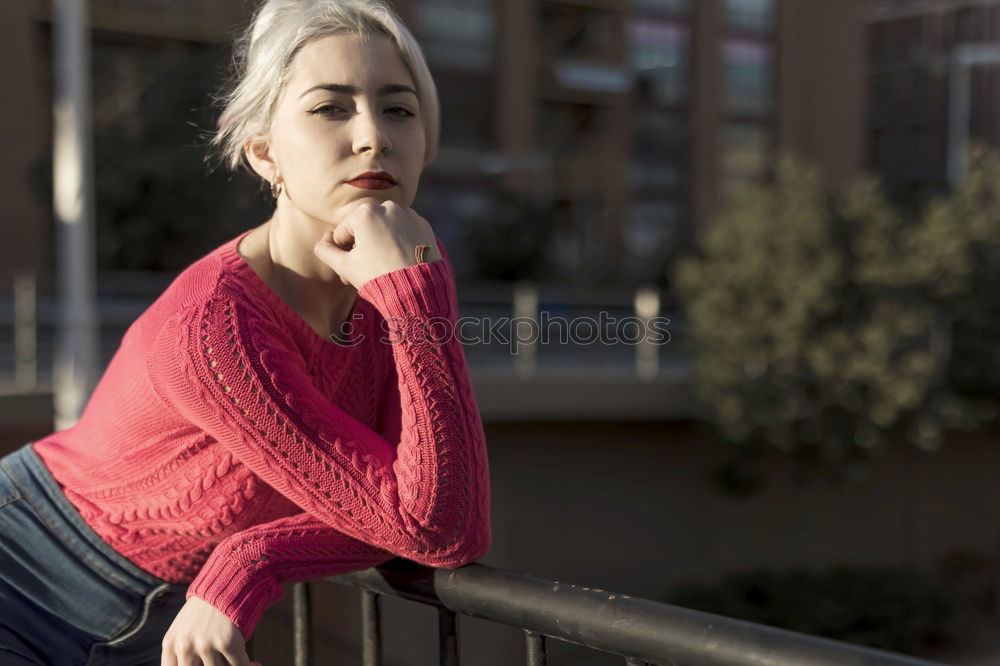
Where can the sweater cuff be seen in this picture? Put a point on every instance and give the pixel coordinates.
(420, 289)
(236, 592)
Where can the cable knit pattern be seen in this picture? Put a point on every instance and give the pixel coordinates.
(230, 447)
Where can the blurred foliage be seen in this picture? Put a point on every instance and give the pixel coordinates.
(891, 608)
(827, 322)
(156, 202)
(158, 205)
(511, 244)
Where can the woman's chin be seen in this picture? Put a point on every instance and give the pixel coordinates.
(378, 196)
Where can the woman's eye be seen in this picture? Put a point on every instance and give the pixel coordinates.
(325, 110)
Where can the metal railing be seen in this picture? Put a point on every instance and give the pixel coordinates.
(640, 631)
(30, 317)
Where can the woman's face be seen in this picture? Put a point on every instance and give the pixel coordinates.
(324, 134)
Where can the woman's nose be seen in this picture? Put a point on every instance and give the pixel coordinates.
(368, 133)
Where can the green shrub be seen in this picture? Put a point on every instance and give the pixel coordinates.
(827, 320)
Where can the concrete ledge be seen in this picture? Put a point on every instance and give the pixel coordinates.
(507, 397)
(502, 396)
(18, 408)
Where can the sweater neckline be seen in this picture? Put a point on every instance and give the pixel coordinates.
(318, 343)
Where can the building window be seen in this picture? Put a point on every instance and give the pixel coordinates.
(456, 34)
(748, 93)
(666, 6)
(752, 15)
(659, 57)
(746, 149)
(654, 175)
(970, 24)
(652, 224)
(747, 76)
(659, 152)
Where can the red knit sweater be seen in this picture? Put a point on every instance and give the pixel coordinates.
(230, 447)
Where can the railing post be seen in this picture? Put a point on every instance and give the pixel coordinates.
(302, 624)
(447, 637)
(535, 643)
(647, 354)
(25, 332)
(526, 312)
(371, 633)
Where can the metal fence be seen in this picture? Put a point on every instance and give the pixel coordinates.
(640, 631)
(572, 318)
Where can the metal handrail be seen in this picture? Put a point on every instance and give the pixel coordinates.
(639, 630)
(33, 318)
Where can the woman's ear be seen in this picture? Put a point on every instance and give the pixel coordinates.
(258, 151)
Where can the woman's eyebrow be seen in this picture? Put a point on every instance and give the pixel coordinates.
(387, 89)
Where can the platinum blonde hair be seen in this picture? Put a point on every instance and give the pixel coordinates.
(263, 54)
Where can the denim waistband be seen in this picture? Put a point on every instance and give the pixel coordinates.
(40, 488)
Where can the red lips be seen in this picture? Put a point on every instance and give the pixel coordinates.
(373, 180)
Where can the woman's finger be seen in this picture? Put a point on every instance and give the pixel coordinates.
(343, 234)
(239, 658)
(213, 658)
(344, 212)
(330, 253)
(168, 658)
(327, 242)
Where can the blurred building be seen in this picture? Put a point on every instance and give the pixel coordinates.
(919, 108)
(632, 119)
(635, 118)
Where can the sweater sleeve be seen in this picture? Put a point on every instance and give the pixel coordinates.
(234, 374)
(243, 576)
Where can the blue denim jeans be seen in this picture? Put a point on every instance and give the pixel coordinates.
(67, 598)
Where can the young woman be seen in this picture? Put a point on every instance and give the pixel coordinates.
(295, 405)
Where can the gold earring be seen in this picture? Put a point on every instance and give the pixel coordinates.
(276, 189)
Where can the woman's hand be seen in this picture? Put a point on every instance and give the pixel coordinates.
(202, 636)
(372, 238)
